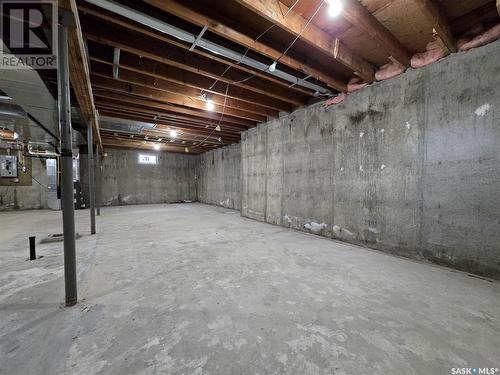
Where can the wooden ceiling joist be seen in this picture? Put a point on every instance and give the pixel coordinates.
(181, 111)
(440, 23)
(107, 103)
(138, 117)
(130, 25)
(362, 19)
(168, 73)
(128, 76)
(191, 16)
(192, 64)
(294, 23)
(186, 126)
(79, 71)
(165, 97)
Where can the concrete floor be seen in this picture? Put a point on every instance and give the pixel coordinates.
(196, 289)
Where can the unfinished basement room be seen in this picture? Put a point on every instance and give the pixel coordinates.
(250, 187)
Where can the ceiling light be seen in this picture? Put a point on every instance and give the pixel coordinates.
(272, 67)
(156, 146)
(217, 128)
(173, 133)
(16, 136)
(210, 105)
(335, 8)
(219, 139)
(186, 149)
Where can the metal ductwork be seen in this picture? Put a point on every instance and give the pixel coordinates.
(212, 47)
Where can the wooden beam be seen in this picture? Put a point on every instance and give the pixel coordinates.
(191, 16)
(79, 71)
(139, 117)
(181, 124)
(155, 69)
(361, 18)
(194, 64)
(294, 23)
(498, 7)
(102, 102)
(175, 88)
(187, 126)
(441, 25)
(151, 93)
(190, 112)
(158, 36)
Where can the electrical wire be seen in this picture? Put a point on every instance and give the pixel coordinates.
(263, 70)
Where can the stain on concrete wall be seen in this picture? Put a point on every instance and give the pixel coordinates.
(410, 166)
(125, 181)
(218, 177)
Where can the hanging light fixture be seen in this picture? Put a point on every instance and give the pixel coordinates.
(186, 149)
(272, 67)
(210, 105)
(156, 146)
(335, 8)
(173, 133)
(217, 128)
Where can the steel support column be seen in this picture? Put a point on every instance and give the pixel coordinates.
(90, 151)
(98, 182)
(67, 194)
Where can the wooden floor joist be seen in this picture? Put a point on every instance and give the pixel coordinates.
(168, 73)
(162, 96)
(294, 23)
(191, 16)
(80, 72)
(362, 19)
(440, 23)
(124, 23)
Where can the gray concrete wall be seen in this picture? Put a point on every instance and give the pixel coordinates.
(218, 177)
(410, 166)
(124, 181)
(31, 197)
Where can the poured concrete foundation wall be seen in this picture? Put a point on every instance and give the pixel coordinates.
(125, 181)
(19, 196)
(410, 166)
(218, 177)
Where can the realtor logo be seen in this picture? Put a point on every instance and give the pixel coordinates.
(29, 34)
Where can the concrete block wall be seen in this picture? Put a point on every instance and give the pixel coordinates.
(218, 177)
(125, 182)
(409, 166)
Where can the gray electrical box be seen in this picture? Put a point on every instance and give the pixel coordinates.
(8, 166)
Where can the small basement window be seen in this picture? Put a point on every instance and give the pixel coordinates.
(148, 159)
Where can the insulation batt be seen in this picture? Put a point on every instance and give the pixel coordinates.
(355, 84)
(432, 54)
(486, 37)
(388, 71)
(315, 227)
(336, 100)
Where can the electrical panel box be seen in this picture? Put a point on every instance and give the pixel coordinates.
(8, 166)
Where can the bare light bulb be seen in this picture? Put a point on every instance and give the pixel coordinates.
(186, 149)
(217, 128)
(335, 8)
(156, 146)
(272, 67)
(173, 133)
(210, 105)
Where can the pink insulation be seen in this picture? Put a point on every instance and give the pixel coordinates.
(355, 84)
(485, 37)
(336, 99)
(388, 71)
(433, 53)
